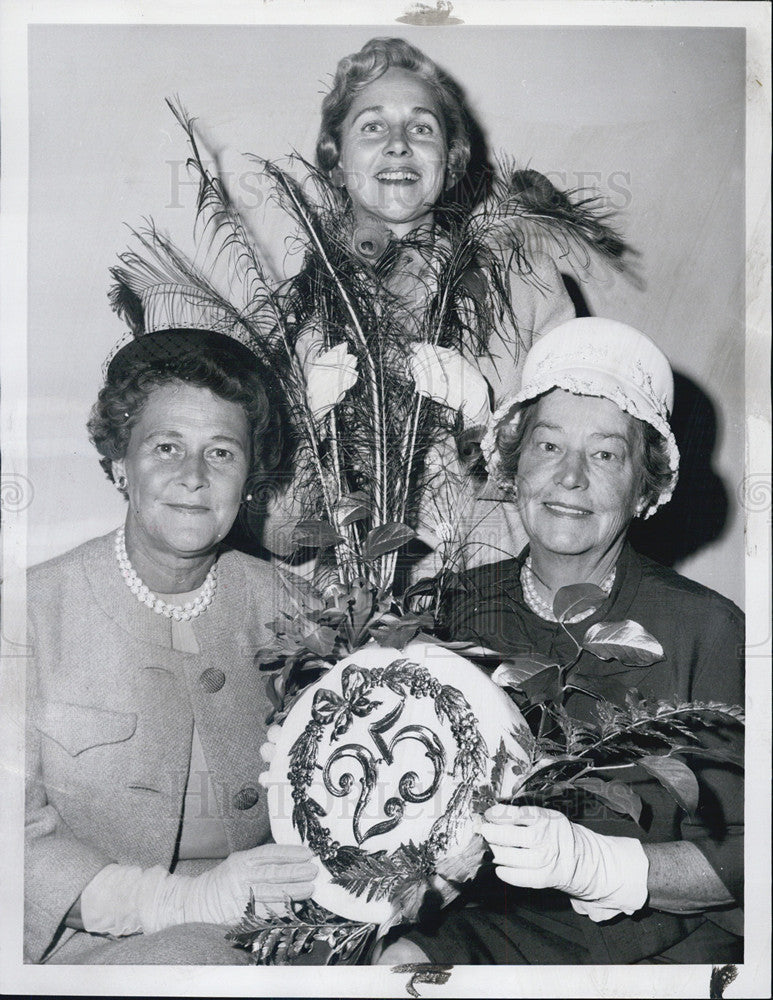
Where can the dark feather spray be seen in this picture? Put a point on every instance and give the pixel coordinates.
(527, 213)
(126, 303)
(357, 299)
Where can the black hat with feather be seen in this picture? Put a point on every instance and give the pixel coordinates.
(169, 320)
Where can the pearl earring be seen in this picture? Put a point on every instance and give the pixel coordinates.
(121, 482)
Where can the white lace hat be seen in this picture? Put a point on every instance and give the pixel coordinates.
(591, 356)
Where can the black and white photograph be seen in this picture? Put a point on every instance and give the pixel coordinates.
(385, 499)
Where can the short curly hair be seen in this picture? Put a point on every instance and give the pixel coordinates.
(373, 60)
(651, 452)
(127, 389)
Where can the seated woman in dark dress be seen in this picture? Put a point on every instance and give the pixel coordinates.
(584, 448)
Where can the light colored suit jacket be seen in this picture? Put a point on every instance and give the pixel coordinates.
(110, 715)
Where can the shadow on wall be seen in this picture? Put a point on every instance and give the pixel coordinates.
(575, 293)
(699, 509)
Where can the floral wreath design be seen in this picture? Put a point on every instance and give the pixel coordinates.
(398, 876)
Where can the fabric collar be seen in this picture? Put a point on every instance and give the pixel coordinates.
(227, 614)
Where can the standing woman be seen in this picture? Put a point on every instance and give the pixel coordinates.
(395, 136)
(146, 828)
(395, 139)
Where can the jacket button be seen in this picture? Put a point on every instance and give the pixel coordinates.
(212, 680)
(246, 797)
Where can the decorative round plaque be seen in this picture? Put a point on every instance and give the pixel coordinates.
(379, 768)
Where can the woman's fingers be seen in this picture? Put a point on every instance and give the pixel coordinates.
(279, 874)
(523, 877)
(513, 835)
(522, 841)
(300, 890)
(269, 854)
(522, 815)
(267, 893)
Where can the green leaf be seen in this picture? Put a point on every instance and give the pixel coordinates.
(676, 777)
(396, 635)
(268, 654)
(386, 538)
(355, 514)
(577, 597)
(543, 686)
(399, 630)
(724, 754)
(303, 594)
(275, 689)
(515, 670)
(353, 507)
(426, 585)
(625, 641)
(616, 794)
(599, 687)
(320, 640)
(315, 535)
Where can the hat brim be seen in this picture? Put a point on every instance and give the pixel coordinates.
(174, 344)
(581, 383)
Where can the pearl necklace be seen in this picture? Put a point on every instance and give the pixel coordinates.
(542, 608)
(145, 596)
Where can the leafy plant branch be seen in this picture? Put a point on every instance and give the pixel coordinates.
(655, 736)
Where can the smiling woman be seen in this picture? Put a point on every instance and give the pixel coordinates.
(579, 482)
(394, 141)
(582, 449)
(393, 152)
(142, 822)
(184, 469)
(181, 435)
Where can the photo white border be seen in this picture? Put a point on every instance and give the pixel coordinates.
(570, 981)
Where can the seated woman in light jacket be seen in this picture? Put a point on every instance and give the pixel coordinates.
(146, 826)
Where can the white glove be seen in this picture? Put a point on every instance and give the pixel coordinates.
(267, 750)
(123, 899)
(541, 849)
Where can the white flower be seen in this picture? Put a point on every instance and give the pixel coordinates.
(443, 374)
(329, 376)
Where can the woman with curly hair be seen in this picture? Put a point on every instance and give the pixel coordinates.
(395, 140)
(146, 830)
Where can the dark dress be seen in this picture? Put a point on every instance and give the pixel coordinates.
(702, 635)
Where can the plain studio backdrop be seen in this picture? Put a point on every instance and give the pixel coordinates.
(651, 117)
